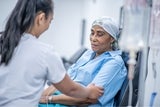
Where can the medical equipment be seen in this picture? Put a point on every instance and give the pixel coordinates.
(0, 47)
(155, 25)
(133, 34)
(154, 44)
(154, 69)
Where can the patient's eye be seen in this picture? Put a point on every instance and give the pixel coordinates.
(100, 33)
(92, 33)
(97, 33)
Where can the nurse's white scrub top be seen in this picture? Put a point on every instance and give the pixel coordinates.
(23, 80)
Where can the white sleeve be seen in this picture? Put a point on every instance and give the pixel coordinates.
(55, 67)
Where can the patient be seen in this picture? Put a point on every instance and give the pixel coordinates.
(103, 66)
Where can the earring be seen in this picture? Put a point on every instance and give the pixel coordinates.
(114, 45)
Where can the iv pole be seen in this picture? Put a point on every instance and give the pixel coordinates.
(134, 38)
(144, 59)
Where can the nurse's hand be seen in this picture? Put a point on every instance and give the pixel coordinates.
(95, 91)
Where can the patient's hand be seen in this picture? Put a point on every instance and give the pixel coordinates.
(49, 91)
(44, 99)
(46, 93)
(91, 101)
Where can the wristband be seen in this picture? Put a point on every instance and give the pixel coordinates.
(50, 99)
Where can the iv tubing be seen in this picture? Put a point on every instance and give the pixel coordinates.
(131, 62)
(130, 93)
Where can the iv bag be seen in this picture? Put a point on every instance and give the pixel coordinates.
(132, 36)
(155, 25)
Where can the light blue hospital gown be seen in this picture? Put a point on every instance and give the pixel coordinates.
(107, 70)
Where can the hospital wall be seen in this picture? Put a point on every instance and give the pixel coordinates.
(66, 28)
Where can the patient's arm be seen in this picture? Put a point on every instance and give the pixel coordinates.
(67, 100)
(63, 99)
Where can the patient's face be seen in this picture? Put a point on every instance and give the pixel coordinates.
(100, 40)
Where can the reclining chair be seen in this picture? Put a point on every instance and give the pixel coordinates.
(74, 57)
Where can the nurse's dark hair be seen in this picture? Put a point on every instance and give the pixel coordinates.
(20, 21)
